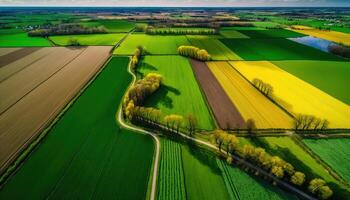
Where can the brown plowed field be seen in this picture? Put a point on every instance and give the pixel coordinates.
(15, 55)
(226, 114)
(16, 66)
(22, 122)
(4, 51)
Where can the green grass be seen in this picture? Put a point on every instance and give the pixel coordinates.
(13, 38)
(243, 186)
(335, 152)
(232, 34)
(273, 33)
(180, 94)
(239, 28)
(266, 24)
(215, 48)
(331, 77)
(113, 26)
(202, 175)
(91, 39)
(152, 44)
(275, 49)
(86, 155)
(171, 180)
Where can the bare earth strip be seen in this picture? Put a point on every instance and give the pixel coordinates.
(16, 66)
(20, 124)
(225, 112)
(4, 51)
(249, 101)
(17, 86)
(15, 55)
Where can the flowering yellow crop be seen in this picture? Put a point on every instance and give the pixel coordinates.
(333, 36)
(248, 100)
(295, 95)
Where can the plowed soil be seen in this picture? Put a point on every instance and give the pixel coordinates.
(15, 55)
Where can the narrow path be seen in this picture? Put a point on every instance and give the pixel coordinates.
(156, 159)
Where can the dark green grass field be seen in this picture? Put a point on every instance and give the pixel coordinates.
(180, 93)
(335, 152)
(86, 155)
(271, 33)
(329, 76)
(275, 49)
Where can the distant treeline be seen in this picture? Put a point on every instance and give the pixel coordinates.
(177, 31)
(66, 29)
(340, 50)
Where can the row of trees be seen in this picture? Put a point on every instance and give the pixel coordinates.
(309, 122)
(339, 50)
(66, 29)
(176, 31)
(263, 87)
(135, 59)
(272, 164)
(194, 52)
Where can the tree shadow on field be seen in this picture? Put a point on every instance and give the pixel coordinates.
(161, 97)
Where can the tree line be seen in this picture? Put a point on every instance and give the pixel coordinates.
(274, 165)
(339, 50)
(66, 29)
(135, 59)
(175, 31)
(309, 122)
(194, 52)
(263, 87)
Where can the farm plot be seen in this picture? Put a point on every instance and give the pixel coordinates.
(180, 93)
(249, 101)
(335, 152)
(171, 181)
(17, 86)
(277, 49)
(89, 155)
(215, 48)
(225, 112)
(22, 40)
(334, 36)
(232, 34)
(242, 186)
(202, 175)
(112, 26)
(5, 51)
(295, 95)
(91, 39)
(274, 33)
(17, 129)
(152, 44)
(330, 76)
(9, 55)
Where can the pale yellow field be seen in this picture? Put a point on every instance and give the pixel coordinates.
(249, 101)
(333, 36)
(295, 95)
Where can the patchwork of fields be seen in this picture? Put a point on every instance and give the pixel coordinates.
(87, 150)
(295, 95)
(41, 92)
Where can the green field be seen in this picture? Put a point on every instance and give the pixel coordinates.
(331, 77)
(112, 26)
(215, 48)
(232, 34)
(180, 94)
(275, 49)
(242, 186)
(335, 152)
(171, 180)
(239, 28)
(91, 39)
(202, 175)
(14, 38)
(152, 44)
(86, 155)
(272, 33)
(266, 24)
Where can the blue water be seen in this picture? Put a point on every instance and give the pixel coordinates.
(317, 43)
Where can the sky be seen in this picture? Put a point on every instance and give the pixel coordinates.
(209, 3)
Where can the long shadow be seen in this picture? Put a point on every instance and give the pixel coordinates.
(161, 97)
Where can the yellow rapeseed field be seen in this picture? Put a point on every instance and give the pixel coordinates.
(333, 36)
(295, 95)
(249, 101)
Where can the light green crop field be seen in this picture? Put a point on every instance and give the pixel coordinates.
(14, 38)
(266, 24)
(86, 155)
(243, 186)
(238, 28)
(215, 48)
(335, 152)
(112, 26)
(330, 76)
(202, 175)
(152, 44)
(232, 34)
(180, 94)
(89, 40)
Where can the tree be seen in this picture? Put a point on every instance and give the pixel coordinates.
(288, 169)
(73, 42)
(219, 138)
(277, 171)
(325, 192)
(298, 178)
(191, 124)
(250, 126)
(318, 187)
(173, 122)
(233, 143)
